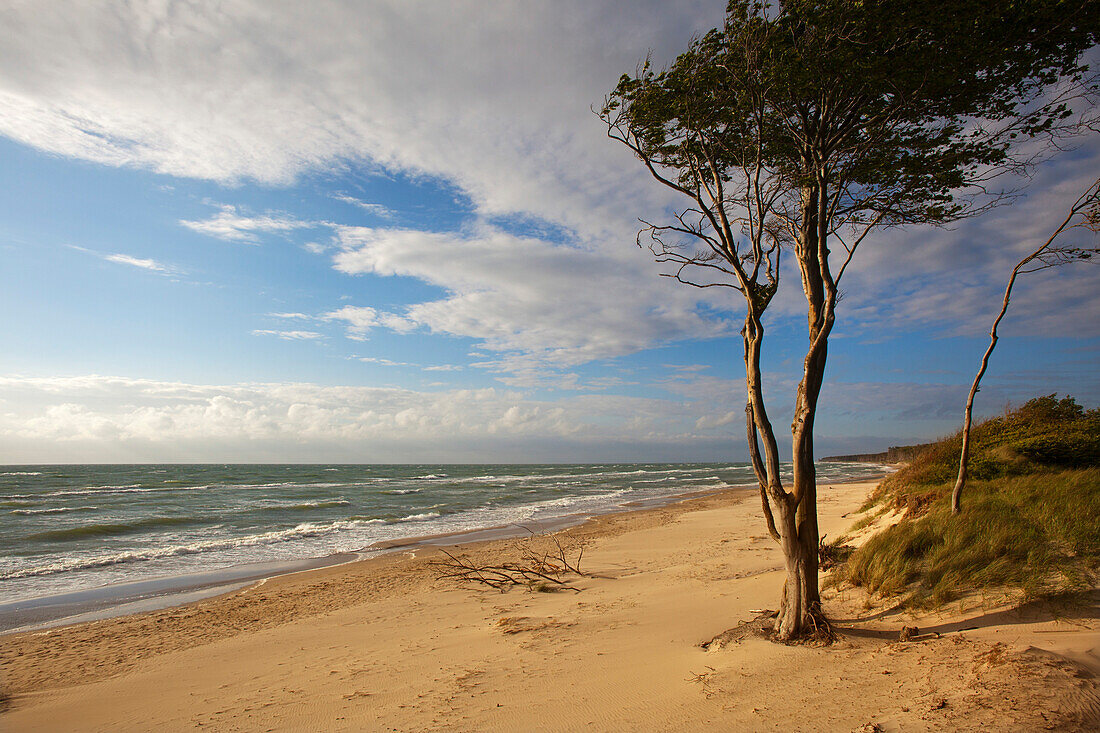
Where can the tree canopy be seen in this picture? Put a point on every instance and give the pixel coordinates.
(805, 123)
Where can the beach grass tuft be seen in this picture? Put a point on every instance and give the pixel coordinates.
(1028, 520)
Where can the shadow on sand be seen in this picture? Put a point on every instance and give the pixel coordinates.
(1064, 607)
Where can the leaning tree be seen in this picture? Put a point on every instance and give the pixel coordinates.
(804, 126)
(1084, 213)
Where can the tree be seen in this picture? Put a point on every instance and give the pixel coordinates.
(812, 123)
(1085, 210)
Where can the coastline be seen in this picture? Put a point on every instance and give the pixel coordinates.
(383, 642)
(121, 599)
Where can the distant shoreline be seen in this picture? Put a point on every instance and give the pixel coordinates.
(890, 456)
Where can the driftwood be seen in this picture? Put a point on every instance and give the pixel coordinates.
(832, 554)
(545, 570)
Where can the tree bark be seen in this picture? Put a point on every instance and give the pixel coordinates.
(801, 596)
(968, 413)
(757, 425)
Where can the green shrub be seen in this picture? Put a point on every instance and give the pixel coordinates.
(1044, 433)
(1030, 510)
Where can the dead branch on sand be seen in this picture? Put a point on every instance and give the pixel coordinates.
(545, 570)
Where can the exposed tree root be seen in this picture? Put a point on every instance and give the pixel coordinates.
(763, 626)
(820, 632)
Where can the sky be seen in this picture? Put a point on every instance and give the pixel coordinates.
(395, 231)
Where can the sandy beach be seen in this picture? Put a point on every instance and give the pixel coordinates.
(384, 644)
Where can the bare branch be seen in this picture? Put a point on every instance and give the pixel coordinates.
(534, 570)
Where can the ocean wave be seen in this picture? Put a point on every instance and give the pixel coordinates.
(418, 517)
(568, 501)
(21, 473)
(56, 510)
(287, 485)
(662, 474)
(106, 530)
(306, 505)
(400, 492)
(522, 512)
(99, 490)
(301, 531)
(491, 478)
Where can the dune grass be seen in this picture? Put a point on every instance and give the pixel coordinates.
(1031, 514)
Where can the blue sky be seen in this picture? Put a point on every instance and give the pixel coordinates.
(391, 232)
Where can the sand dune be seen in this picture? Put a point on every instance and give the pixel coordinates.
(384, 645)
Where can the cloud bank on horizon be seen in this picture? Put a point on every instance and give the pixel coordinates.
(394, 228)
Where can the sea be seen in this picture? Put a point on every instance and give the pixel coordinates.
(72, 529)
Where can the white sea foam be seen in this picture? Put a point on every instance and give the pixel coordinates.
(274, 504)
(301, 531)
(98, 490)
(21, 473)
(418, 517)
(56, 510)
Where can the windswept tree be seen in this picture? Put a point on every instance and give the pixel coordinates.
(1084, 214)
(804, 126)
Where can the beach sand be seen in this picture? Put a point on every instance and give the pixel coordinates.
(383, 644)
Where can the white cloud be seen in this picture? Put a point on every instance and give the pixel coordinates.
(378, 210)
(361, 319)
(292, 316)
(97, 418)
(231, 226)
(129, 260)
(494, 96)
(952, 279)
(382, 362)
(289, 335)
(149, 420)
(706, 422)
(144, 264)
(525, 295)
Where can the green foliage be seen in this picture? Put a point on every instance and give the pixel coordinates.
(873, 99)
(1029, 520)
(1043, 433)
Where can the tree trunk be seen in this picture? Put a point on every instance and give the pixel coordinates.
(757, 425)
(801, 594)
(968, 413)
(793, 618)
(793, 526)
